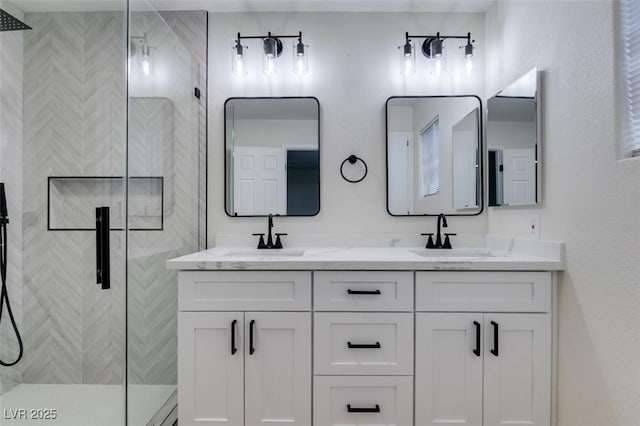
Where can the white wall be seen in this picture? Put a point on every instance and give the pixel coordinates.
(400, 118)
(275, 133)
(354, 67)
(511, 134)
(590, 200)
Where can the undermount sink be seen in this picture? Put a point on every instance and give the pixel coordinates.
(453, 253)
(263, 253)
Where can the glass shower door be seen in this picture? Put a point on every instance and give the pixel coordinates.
(166, 105)
(63, 166)
(103, 172)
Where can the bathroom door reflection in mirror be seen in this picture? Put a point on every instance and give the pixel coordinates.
(433, 155)
(272, 156)
(513, 143)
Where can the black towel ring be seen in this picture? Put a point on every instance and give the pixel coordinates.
(352, 160)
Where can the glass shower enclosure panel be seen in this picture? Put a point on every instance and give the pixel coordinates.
(166, 58)
(103, 177)
(63, 172)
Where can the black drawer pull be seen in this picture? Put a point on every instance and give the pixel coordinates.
(476, 351)
(251, 348)
(349, 291)
(233, 337)
(351, 409)
(495, 338)
(375, 345)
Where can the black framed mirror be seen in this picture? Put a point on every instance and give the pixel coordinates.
(434, 155)
(272, 156)
(514, 144)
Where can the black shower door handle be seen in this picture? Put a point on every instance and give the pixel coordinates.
(103, 263)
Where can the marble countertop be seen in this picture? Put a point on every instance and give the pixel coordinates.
(497, 253)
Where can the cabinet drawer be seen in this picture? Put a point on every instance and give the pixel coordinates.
(483, 291)
(363, 343)
(244, 291)
(359, 401)
(363, 291)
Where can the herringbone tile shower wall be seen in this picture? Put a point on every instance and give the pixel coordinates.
(74, 103)
(11, 175)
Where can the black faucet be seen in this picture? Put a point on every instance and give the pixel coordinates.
(441, 220)
(270, 244)
(269, 228)
(442, 223)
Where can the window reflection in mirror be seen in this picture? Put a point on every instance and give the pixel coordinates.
(513, 143)
(433, 155)
(272, 156)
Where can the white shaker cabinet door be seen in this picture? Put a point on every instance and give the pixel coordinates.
(448, 376)
(278, 368)
(210, 368)
(517, 369)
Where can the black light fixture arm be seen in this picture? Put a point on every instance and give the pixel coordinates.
(428, 50)
(439, 36)
(276, 48)
(269, 35)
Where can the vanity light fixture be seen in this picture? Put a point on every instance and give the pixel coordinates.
(408, 57)
(145, 52)
(238, 59)
(300, 57)
(434, 50)
(272, 48)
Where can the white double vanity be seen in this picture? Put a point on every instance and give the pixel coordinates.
(378, 331)
(368, 335)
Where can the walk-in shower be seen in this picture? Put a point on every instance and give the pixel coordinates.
(7, 23)
(103, 167)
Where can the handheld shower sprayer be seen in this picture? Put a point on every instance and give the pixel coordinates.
(4, 216)
(4, 294)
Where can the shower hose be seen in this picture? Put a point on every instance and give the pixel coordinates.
(4, 294)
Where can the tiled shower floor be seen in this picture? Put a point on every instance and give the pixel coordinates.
(83, 405)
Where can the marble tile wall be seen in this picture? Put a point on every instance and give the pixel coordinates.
(11, 121)
(74, 91)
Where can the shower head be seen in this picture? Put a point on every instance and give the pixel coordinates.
(10, 23)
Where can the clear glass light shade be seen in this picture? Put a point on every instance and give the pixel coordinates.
(300, 58)
(468, 66)
(146, 65)
(469, 69)
(239, 60)
(438, 59)
(270, 56)
(408, 58)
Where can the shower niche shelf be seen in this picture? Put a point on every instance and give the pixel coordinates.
(71, 202)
